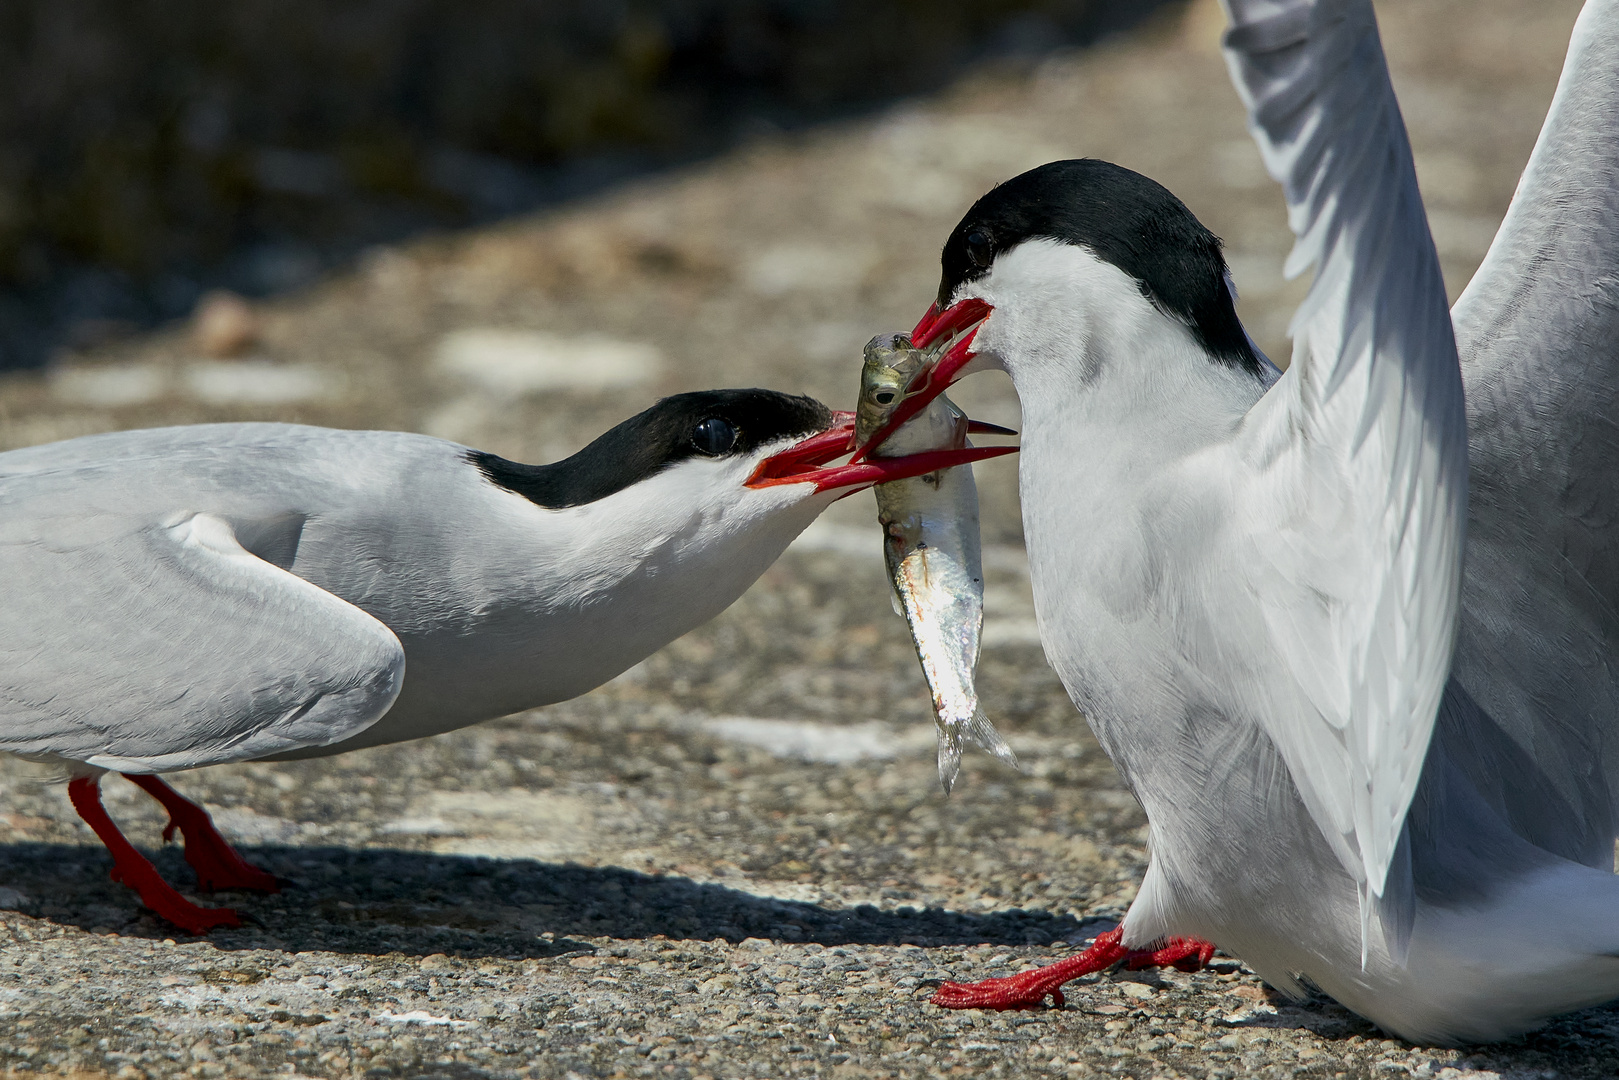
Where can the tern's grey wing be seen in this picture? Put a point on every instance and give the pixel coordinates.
(146, 645)
(1538, 332)
(1356, 517)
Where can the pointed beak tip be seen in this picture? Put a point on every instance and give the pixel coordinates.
(937, 324)
(929, 317)
(983, 427)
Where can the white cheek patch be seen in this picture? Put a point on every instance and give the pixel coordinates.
(1048, 295)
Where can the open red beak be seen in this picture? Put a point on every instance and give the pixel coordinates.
(936, 325)
(807, 462)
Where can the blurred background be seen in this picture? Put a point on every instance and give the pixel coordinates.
(152, 150)
(514, 222)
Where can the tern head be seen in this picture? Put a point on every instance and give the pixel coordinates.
(1078, 262)
(732, 456)
(673, 513)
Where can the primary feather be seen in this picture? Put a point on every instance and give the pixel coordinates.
(1356, 515)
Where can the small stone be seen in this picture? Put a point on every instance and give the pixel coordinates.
(224, 325)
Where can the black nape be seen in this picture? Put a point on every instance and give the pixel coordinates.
(1124, 218)
(705, 423)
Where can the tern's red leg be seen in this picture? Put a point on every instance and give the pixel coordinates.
(130, 867)
(1180, 953)
(1029, 989)
(215, 861)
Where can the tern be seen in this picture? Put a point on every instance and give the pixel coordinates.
(189, 596)
(1368, 764)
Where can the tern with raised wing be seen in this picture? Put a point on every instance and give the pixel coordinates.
(189, 596)
(1369, 763)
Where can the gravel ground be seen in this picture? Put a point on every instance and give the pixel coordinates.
(734, 860)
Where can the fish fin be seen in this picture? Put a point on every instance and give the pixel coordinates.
(949, 756)
(982, 732)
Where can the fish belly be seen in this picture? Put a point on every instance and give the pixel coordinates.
(931, 550)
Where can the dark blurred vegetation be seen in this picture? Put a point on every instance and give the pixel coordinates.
(150, 149)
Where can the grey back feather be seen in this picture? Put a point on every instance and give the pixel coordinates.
(143, 642)
(1538, 334)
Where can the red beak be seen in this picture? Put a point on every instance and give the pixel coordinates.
(806, 462)
(936, 325)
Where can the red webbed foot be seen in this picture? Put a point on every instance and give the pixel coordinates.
(1180, 953)
(216, 863)
(1029, 989)
(133, 869)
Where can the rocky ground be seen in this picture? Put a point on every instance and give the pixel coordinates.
(734, 860)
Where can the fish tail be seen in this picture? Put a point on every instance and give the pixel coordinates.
(953, 737)
(949, 755)
(982, 732)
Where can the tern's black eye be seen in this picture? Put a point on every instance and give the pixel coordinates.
(713, 436)
(980, 248)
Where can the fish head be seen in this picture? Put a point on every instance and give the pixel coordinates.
(891, 366)
(901, 387)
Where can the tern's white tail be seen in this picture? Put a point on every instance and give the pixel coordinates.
(1502, 963)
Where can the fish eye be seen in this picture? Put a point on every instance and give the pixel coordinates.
(713, 436)
(980, 248)
(884, 397)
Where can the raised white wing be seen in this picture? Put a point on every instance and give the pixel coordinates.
(144, 646)
(1357, 519)
(1538, 333)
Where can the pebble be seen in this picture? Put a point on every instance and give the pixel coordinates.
(224, 325)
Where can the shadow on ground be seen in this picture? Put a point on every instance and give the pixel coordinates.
(385, 902)
(381, 901)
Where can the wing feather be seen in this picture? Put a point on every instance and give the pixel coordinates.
(1538, 333)
(1356, 523)
(144, 646)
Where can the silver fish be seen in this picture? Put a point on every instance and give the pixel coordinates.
(931, 548)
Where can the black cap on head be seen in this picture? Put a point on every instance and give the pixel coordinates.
(705, 423)
(1123, 218)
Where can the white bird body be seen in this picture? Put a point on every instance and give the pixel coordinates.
(497, 604)
(1252, 582)
(1138, 576)
(189, 596)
